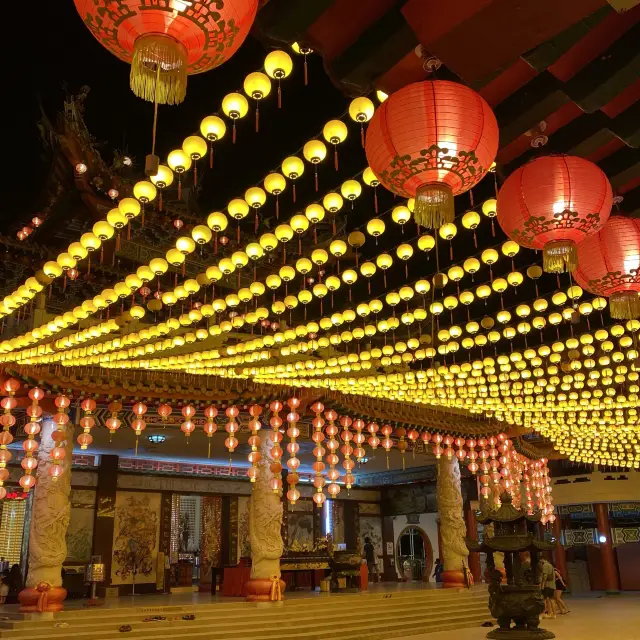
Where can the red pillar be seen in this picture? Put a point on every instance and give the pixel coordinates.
(472, 533)
(559, 553)
(609, 568)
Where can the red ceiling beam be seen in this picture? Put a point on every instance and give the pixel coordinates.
(473, 38)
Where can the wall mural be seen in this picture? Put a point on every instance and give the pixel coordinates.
(135, 538)
(417, 498)
(79, 535)
(300, 526)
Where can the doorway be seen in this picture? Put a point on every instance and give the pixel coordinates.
(415, 556)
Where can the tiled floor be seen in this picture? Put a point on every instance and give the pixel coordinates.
(613, 618)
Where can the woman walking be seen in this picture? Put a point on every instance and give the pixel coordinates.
(561, 587)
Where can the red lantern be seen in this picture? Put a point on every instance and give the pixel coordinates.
(432, 140)
(553, 203)
(165, 40)
(164, 411)
(609, 265)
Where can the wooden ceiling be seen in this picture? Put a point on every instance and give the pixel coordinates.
(573, 65)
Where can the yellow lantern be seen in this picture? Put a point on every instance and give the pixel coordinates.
(52, 269)
(515, 278)
(116, 219)
(240, 259)
(179, 161)
(273, 281)
(315, 151)
(145, 192)
(338, 248)
(255, 197)
(77, 251)
(471, 265)
(121, 289)
(214, 274)
(287, 273)
(335, 132)
(145, 273)
(332, 202)
(426, 242)
(471, 220)
(356, 239)
(375, 227)
(360, 110)
(422, 287)
(351, 189)
(401, 215)
(103, 230)
(195, 147)
(284, 233)
(333, 283)
(257, 86)
(133, 282)
(238, 209)
(159, 266)
(293, 168)
(320, 291)
(319, 257)
(275, 184)
(314, 213)
(212, 128)
(217, 221)
(254, 251)
(278, 65)
(66, 261)
(175, 257)
(489, 209)
(201, 234)
(185, 245)
(371, 180)
(234, 106)
(268, 241)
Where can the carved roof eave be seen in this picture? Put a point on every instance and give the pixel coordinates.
(508, 513)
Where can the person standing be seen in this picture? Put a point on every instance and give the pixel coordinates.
(561, 587)
(548, 586)
(370, 557)
(437, 570)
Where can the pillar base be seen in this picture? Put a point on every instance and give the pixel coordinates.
(42, 598)
(453, 579)
(264, 590)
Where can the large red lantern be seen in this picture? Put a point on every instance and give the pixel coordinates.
(164, 40)
(432, 139)
(553, 203)
(609, 265)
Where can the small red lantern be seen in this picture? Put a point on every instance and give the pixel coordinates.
(432, 140)
(554, 203)
(609, 265)
(164, 411)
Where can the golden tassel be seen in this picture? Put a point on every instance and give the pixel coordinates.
(434, 206)
(625, 305)
(153, 52)
(559, 256)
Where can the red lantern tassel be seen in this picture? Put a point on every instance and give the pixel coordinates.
(211, 155)
(195, 173)
(238, 232)
(101, 254)
(375, 199)
(179, 188)
(215, 243)
(233, 133)
(294, 191)
(335, 156)
(315, 235)
(362, 134)
(316, 177)
(89, 264)
(257, 117)
(279, 95)
(129, 231)
(117, 242)
(306, 72)
(184, 268)
(255, 226)
(277, 208)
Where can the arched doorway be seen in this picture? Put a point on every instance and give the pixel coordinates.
(414, 554)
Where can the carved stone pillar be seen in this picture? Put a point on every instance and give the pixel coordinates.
(452, 526)
(265, 524)
(49, 521)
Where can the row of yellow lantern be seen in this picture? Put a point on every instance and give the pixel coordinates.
(130, 208)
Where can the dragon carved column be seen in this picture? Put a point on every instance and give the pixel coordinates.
(265, 524)
(452, 526)
(50, 515)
